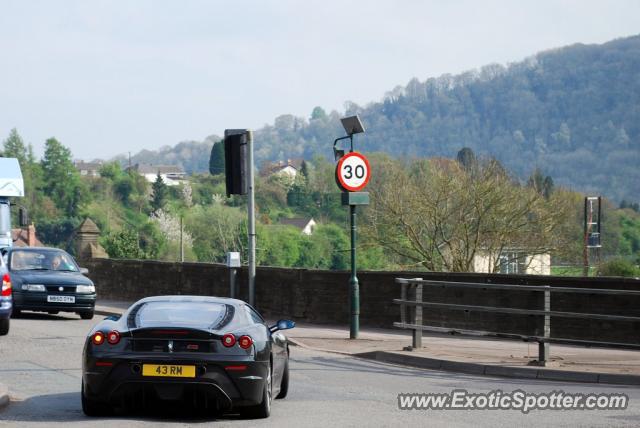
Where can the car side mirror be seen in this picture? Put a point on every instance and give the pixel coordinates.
(112, 318)
(84, 271)
(282, 325)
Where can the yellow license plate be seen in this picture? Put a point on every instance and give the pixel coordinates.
(165, 370)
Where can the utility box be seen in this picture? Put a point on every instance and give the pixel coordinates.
(355, 198)
(233, 260)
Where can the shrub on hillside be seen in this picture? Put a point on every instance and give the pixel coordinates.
(619, 267)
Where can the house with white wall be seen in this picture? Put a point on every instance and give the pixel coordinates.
(172, 175)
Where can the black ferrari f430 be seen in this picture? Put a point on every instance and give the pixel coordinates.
(216, 354)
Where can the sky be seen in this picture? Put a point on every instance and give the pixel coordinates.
(111, 77)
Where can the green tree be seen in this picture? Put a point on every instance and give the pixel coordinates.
(58, 232)
(318, 113)
(540, 183)
(151, 241)
(111, 171)
(14, 147)
(279, 245)
(335, 239)
(62, 181)
(304, 170)
(216, 229)
(216, 159)
(123, 244)
(314, 253)
(467, 159)
(159, 193)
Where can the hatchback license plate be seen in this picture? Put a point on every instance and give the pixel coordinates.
(165, 370)
(61, 299)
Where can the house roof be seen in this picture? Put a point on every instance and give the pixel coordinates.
(300, 223)
(157, 169)
(21, 238)
(89, 166)
(269, 168)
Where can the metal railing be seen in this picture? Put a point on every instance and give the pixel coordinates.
(412, 304)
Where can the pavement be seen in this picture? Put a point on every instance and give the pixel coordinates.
(463, 354)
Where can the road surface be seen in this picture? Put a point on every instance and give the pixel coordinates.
(40, 361)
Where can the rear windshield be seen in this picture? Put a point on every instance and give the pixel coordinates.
(202, 315)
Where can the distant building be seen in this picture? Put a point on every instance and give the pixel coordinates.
(172, 175)
(288, 168)
(512, 261)
(305, 225)
(26, 237)
(88, 169)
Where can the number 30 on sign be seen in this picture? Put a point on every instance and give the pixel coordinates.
(353, 172)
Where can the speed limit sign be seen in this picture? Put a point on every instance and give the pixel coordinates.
(353, 172)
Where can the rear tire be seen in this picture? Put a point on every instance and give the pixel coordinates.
(4, 327)
(284, 385)
(262, 410)
(93, 408)
(87, 315)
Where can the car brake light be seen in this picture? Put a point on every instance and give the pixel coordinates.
(245, 342)
(228, 340)
(237, 368)
(6, 286)
(113, 337)
(97, 338)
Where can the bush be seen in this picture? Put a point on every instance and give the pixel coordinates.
(619, 267)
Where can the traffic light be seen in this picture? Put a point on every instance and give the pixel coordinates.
(235, 161)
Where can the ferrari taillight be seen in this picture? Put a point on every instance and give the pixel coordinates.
(97, 338)
(113, 337)
(6, 285)
(228, 340)
(245, 342)
(236, 368)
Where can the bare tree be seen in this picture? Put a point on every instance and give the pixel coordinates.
(439, 215)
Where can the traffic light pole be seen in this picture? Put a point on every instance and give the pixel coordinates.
(252, 222)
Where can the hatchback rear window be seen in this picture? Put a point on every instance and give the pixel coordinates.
(202, 315)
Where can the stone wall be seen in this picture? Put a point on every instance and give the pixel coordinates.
(322, 296)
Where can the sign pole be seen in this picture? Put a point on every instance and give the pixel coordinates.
(352, 175)
(353, 281)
